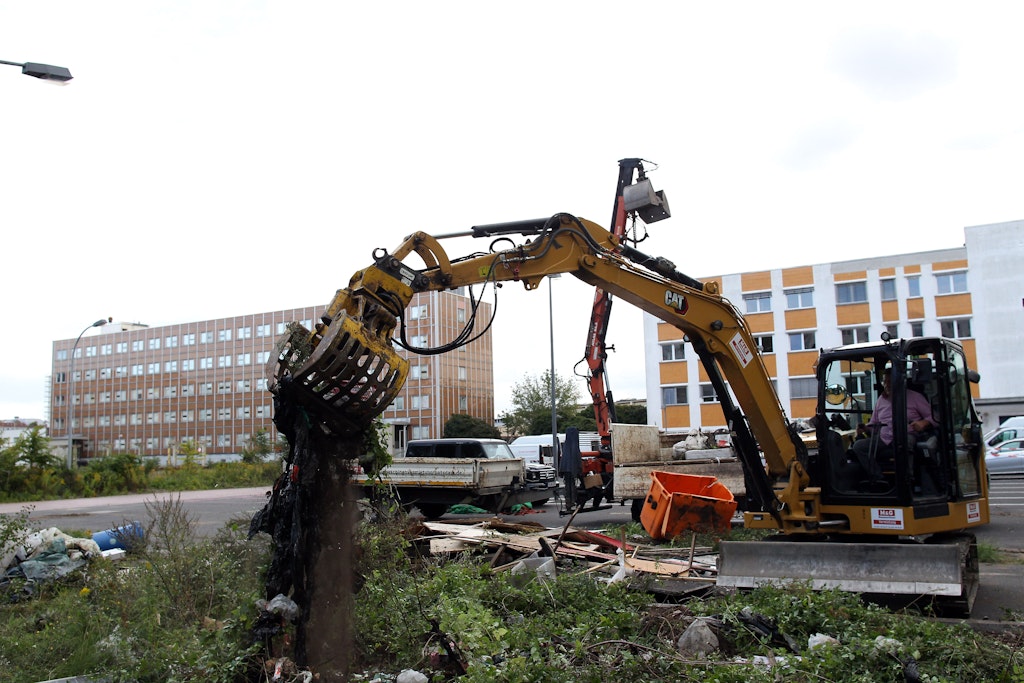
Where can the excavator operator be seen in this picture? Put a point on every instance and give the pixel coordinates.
(878, 445)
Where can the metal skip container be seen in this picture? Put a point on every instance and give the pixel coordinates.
(686, 502)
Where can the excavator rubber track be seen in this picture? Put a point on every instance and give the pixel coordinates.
(943, 570)
(346, 380)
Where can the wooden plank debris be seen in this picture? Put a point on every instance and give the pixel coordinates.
(507, 543)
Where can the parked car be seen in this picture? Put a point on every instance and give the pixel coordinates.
(1006, 458)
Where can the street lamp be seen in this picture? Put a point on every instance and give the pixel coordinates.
(554, 414)
(71, 393)
(47, 72)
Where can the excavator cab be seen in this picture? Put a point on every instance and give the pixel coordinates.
(861, 462)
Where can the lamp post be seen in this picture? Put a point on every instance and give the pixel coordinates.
(47, 72)
(554, 413)
(71, 393)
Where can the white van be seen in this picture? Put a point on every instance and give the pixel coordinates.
(1011, 428)
(529, 447)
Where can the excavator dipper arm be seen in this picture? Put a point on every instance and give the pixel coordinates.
(356, 376)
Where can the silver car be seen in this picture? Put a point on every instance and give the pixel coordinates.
(1006, 458)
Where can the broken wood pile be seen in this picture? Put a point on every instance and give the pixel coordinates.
(510, 544)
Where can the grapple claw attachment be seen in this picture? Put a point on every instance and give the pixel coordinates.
(346, 380)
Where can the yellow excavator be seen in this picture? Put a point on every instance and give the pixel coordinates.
(902, 528)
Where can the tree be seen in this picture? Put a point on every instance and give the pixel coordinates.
(33, 449)
(258, 447)
(531, 403)
(632, 413)
(459, 425)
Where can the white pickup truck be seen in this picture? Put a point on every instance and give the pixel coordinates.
(435, 474)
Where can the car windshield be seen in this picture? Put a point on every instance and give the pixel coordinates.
(499, 451)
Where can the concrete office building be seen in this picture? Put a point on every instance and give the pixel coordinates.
(147, 390)
(974, 293)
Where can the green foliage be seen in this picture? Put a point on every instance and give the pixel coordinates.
(631, 413)
(33, 449)
(179, 608)
(531, 404)
(467, 426)
(258, 447)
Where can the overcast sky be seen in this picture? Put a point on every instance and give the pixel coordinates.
(222, 158)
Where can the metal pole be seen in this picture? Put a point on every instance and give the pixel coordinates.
(554, 413)
(71, 394)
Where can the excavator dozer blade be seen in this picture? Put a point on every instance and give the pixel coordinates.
(348, 379)
(945, 571)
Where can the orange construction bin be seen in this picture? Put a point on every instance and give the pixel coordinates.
(680, 502)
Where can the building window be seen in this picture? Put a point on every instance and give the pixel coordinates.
(171, 342)
(854, 335)
(460, 315)
(959, 328)
(800, 298)
(261, 384)
(244, 359)
(188, 339)
(262, 357)
(138, 345)
(758, 303)
(152, 393)
(245, 333)
(205, 337)
(104, 397)
(417, 312)
(707, 394)
(262, 411)
(223, 440)
(951, 283)
(263, 330)
(917, 329)
(90, 351)
(188, 364)
(893, 329)
(121, 371)
(224, 335)
(673, 351)
(803, 387)
(206, 363)
(398, 403)
(135, 394)
(851, 292)
(153, 369)
(243, 413)
(122, 347)
(121, 395)
(90, 374)
(914, 286)
(243, 385)
(170, 416)
(801, 341)
(188, 390)
(420, 432)
(223, 413)
(171, 366)
(223, 387)
(888, 289)
(206, 389)
(152, 418)
(223, 361)
(137, 370)
(104, 420)
(418, 341)
(463, 403)
(105, 373)
(673, 396)
(170, 392)
(282, 328)
(205, 414)
(154, 344)
(462, 373)
(106, 349)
